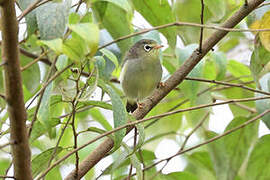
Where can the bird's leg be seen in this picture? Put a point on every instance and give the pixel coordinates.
(140, 104)
(161, 85)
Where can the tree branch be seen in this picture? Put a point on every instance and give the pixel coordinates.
(14, 92)
(170, 84)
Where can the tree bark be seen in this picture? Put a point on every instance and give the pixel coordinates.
(14, 92)
(170, 84)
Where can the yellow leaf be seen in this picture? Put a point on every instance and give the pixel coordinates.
(255, 25)
(265, 36)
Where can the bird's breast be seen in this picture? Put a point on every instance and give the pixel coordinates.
(140, 78)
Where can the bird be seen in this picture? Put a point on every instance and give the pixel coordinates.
(141, 72)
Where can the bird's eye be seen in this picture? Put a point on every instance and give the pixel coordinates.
(147, 48)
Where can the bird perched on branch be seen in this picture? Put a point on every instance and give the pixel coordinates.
(141, 72)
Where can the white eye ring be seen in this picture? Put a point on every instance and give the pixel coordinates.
(147, 48)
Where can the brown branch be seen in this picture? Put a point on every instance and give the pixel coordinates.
(170, 84)
(228, 84)
(21, 153)
(33, 56)
(33, 62)
(4, 177)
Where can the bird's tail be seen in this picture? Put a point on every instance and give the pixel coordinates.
(131, 106)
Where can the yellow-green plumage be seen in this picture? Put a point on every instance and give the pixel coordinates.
(141, 71)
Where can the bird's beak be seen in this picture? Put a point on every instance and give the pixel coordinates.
(158, 46)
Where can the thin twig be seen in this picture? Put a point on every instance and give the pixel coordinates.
(134, 148)
(264, 4)
(5, 145)
(182, 24)
(201, 33)
(228, 84)
(130, 124)
(143, 164)
(4, 177)
(31, 55)
(31, 8)
(33, 62)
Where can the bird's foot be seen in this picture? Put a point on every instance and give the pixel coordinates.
(140, 105)
(161, 85)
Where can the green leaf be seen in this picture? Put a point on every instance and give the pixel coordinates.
(258, 163)
(89, 32)
(189, 11)
(154, 35)
(115, 20)
(52, 19)
(136, 163)
(238, 143)
(54, 44)
(75, 48)
(158, 12)
(190, 88)
(98, 116)
(100, 104)
(218, 156)
(259, 59)
(96, 130)
(119, 115)
(30, 18)
(31, 76)
(238, 69)
(39, 129)
(122, 4)
(216, 7)
(92, 82)
(264, 104)
(177, 175)
(40, 162)
(4, 164)
(110, 56)
(44, 110)
(169, 60)
(54, 174)
(101, 64)
(61, 62)
(74, 18)
(220, 63)
(201, 160)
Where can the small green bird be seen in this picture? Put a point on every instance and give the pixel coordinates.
(141, 72)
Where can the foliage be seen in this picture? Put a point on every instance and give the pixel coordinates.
(79, 98)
